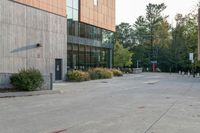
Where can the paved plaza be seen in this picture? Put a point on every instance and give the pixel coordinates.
(141, 103)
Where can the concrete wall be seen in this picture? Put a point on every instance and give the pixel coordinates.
(5, 80)
(21, 28)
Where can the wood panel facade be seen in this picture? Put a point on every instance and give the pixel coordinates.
(100, 14)
(53, 6)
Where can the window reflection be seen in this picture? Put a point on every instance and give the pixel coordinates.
(70, 3)
(84, 56)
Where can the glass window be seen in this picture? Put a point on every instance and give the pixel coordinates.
(93, 57)
(69, 56)
(76, 4)
(69, 27)
(87, 31)
(82, 57)
(75, 15)
(76, 29)
(75, 57)
(70, 3)
(82, 30)
(95, 2)
(95, 33)
(87, 56)
(69, 13)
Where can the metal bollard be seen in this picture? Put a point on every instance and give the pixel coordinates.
(51, 81)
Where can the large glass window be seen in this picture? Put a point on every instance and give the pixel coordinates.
(69, 56)
(95, 2)
(72, 9)
(70, 3)
(75, 57)
(75, 15)
(88, 56)
(69, 13)
(83, 57)
(76, 4)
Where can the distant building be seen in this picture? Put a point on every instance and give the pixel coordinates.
(56, 35)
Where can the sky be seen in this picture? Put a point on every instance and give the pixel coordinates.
(129, 10)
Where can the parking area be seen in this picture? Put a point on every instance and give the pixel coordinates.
(135, 103)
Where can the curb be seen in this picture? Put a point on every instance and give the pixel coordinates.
(26, 94)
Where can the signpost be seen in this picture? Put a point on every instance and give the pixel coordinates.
(191, 57)
(154, 63)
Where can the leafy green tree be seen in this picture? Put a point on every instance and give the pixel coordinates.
(151, 35)
(122, 56)
(185, 39)
(123, 34)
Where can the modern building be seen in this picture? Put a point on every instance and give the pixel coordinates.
(90, 27)
(56, 35)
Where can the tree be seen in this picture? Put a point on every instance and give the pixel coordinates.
(123, 34)
(122, 56)
(151, 35)
(185, 40)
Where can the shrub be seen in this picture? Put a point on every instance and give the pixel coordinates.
(78, 76)
(116, 72)
(27, 80)
(127, 70)
(100, 73)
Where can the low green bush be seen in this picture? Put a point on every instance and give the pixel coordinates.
(127, 70)
(116, 72)
(27, 80)
(100, 73)
(77, 75)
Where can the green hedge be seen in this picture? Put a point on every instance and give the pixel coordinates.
(77, 75)
(27, 80)
(100, 73)
(116, 72)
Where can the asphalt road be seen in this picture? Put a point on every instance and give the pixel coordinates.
(143, 103)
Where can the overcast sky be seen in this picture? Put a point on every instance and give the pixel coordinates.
(129, 10)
